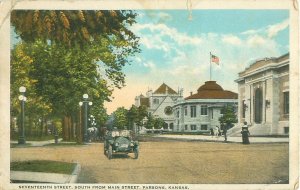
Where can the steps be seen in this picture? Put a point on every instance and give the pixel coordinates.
(260, 130)
(255, 130)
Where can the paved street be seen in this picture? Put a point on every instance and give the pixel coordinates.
(172, 162)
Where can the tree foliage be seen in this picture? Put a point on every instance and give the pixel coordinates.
(64, 54)
(229, 116)
(120, 118)
(73, 27)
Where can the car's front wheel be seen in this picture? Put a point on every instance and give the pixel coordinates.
(109, 152)
(136, 153)
(104, 148)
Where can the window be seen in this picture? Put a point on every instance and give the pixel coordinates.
(193, 111)
(203, 127)
(171, 126)
(212, 113)
(155, 101)
(177, 113)
(186, 127)
(185, 110)
(286, 102)
(286, 130)
(204, 110)
(193, 127)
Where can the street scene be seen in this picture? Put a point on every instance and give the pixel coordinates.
(173, 162)
(150, 97)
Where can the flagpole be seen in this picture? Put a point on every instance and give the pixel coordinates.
(210, 66)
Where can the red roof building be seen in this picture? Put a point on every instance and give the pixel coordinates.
(201, 111)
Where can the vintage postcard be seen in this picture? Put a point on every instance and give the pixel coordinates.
(149, 95)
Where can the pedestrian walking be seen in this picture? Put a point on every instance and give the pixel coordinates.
(245, 134)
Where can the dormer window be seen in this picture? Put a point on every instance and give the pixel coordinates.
(155, 101)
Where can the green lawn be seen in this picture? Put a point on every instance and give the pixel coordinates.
(43, 166)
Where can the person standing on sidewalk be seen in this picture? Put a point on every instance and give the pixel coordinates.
(212, 132)
(225, 127)
(245, 134)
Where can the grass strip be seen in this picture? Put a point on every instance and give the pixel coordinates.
(43, 166)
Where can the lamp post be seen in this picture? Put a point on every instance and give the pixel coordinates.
(85, 120)
(79, 131)
(22, 98)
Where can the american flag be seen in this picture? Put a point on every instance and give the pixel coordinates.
(214, 59)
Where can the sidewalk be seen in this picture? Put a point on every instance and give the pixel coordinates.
(39, 143)
(229, 139)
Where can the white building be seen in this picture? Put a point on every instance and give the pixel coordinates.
(201, 111)
(264, 96)
(160, 103)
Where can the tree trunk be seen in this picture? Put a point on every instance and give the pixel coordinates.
(79, 129)
(46, 128)
(66, 135)
(70, 128)
(30, 123)
(41, 127)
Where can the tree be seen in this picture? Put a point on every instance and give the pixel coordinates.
(37, 109)
(132, 116)
(142, 114)
(104, 34)
(120, 118)
(229, 115)
(76, 52)
(158, 123)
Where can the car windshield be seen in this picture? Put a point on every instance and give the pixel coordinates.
(123, 133)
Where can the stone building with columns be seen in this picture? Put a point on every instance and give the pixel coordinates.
(160, 103)
(201, 111)
(263, 90)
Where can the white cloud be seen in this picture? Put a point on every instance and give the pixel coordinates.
(270, 31)
(249, 32)
(231, 39)
(256, 40)
(154, 42)
(161, 30)
(150, 64)
(273, 30)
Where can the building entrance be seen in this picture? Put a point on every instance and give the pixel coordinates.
(258, 105)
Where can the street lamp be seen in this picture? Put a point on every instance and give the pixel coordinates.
(85, 103)
(22, 99)
(79, 129)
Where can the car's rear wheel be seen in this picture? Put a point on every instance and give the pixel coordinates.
(109, 152)
(136, 153)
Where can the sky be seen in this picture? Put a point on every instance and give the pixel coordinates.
(176, 50)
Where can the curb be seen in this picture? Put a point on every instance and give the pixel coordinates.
(74, 176)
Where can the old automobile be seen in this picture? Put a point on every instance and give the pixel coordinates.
(120, 141)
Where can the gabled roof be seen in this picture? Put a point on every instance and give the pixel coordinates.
(211, 90)
(164, 89)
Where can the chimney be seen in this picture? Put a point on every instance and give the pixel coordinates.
(191, 93)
